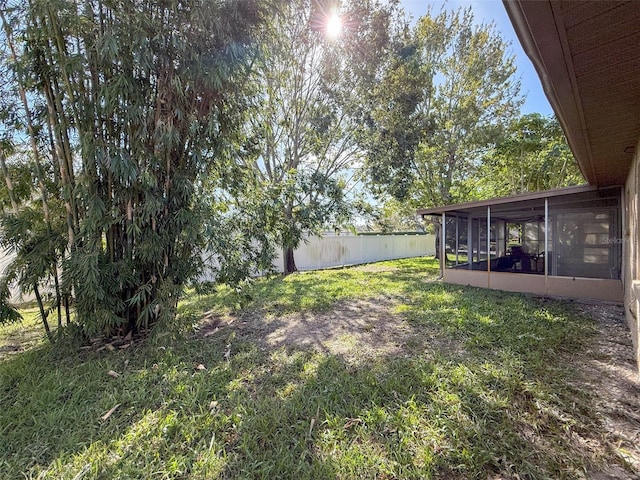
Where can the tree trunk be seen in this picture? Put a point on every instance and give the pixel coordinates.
(289, 260)
(287, 250)
(43, 313)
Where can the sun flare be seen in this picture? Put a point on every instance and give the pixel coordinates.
(334, 26)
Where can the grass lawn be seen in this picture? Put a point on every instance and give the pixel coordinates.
(367, 372)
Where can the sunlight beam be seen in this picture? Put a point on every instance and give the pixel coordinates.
(334, 26)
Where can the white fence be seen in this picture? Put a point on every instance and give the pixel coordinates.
(324, 252)
(339, 250)
(16, 295)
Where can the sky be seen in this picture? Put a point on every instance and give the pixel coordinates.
(487, 11)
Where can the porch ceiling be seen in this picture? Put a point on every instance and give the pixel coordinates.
(587, 54)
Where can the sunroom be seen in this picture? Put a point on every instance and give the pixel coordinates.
(565, 242)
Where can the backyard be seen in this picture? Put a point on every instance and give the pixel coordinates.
(376, 371)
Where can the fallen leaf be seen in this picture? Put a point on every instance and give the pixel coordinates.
(201, 367)
(213, 332)
(351, 422)
(313, 422)
(106, 416)
(113, 374)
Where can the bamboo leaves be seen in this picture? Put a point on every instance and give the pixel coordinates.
(134, 99)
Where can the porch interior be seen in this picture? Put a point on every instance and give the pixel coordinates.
(573, 235)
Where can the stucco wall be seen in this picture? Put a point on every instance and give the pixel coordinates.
(631, 251)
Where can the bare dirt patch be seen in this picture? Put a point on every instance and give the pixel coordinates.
(355, 330)
(609, 372)
(359, 326)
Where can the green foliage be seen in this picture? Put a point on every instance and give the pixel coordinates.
(127, 106)
(240, 239)
(532, 155)
(8, 312)
(297, 158)
(396, 125)
(395, 216)
(35, 247)
(21, 173)
(456, 91)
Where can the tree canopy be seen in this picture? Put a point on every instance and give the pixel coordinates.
(300, 152)
(532, 155)
(461, 89)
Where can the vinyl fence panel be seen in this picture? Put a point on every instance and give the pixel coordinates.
(339, 250)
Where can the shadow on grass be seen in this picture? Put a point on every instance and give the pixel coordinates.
(52, 406)
(502, 406)
(315, 291)
(405, 419)
(228, 406)
(291, 413)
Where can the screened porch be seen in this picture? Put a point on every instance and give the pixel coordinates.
(565, 242)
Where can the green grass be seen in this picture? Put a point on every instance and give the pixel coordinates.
(22, 335)
(317, 290)
(496, 402)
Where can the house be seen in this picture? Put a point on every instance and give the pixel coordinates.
(584, 241)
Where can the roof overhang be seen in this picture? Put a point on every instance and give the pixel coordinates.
(587, 55)
(529, 205)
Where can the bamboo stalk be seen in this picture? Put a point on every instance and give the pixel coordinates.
(43, 313)
(7, 179)
(39, 170)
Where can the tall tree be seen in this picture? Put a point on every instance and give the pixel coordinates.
(301, 145)
(532, 155)
(469, 95)
(396, 122)
(130, 103)
(31, 233)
